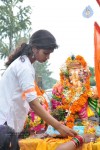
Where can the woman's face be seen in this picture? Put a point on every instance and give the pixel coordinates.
(42, 55)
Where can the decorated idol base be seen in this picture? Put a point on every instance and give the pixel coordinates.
(79, 129)
(52, 132)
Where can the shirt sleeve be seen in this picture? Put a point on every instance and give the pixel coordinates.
(26, 78)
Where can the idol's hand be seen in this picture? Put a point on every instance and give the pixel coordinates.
(89, 138)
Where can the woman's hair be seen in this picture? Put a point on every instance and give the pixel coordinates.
(41, 39)
(8, 138)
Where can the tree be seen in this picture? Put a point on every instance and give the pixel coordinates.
(92, 81)
(14, 23)
(92, 71)
(43, 73)
(92, 78)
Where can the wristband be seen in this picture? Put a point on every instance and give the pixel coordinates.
(75, 144)
(80, 139)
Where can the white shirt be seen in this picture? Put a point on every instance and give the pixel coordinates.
(17, 80)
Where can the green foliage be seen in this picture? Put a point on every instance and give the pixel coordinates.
(3, 49)
(14, 23)
(66, 74)
(92, 80)
(43, 71)
(55, 97)
(59, 114)
(92, 71)
(21, 40)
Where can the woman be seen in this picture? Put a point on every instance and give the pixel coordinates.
(17, 86)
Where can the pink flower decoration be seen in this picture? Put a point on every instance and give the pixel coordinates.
(55, 103)
(83, 112)
(54, 92)
(32, 115)
(37, 128)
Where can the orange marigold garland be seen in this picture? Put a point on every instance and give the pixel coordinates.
(70, 95)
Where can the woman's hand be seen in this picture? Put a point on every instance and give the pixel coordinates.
(65, 131)
(41, 112)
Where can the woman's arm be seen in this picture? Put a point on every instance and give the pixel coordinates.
(76, 142)
(39, 110)
(67, 146)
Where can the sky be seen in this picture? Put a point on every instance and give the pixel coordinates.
(73, 32)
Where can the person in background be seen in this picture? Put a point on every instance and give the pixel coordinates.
(76, 142)
(17, 85)
(8, 138)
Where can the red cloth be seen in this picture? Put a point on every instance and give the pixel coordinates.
(97, 55)
(98, 1)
